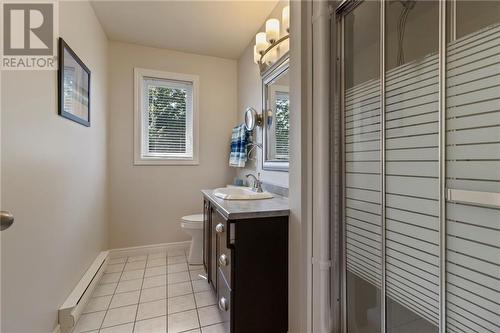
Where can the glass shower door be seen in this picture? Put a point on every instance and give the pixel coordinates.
(412, 166)
(420, 107)
(473, 168)
(362, 204)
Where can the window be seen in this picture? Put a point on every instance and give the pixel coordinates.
(166, 126)
(282, 103)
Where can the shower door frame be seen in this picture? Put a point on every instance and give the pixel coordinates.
(338, 192)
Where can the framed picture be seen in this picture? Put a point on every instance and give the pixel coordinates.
(74, 86)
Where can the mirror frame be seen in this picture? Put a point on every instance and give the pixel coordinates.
(278, 68)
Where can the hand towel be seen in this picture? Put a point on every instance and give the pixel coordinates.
(239, 141)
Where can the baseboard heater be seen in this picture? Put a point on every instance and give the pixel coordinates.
(70, 311)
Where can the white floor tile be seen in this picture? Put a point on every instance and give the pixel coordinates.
(131, 285)
(117, 260)
(154, 325)
(181, 303)
(137, 258)
(127, 328)
(132, 266)
(205, 298)
(156, 262)
(176, 253)
(153, 294)
(132, 275)
(154, 271)
(193, 331)
(217, 328)
(157, 255)
(195, 267)
(201, 285)
(104, 289)
(120, 316)
(89, 321)
(178, 277)
(179, 289)
(176, 260)
(154, 281)
(110, 278)
(152, 309)
(209, 315)
(195, 274)
(125, 299)
(115, 268)
(97, 304)
(182, 321)
(175, 268)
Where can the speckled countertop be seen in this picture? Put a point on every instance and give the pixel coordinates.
(246, 209)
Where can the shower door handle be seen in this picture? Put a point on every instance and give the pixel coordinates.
(6, 220)
(475, 197)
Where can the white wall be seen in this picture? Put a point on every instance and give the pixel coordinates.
(250, 94)
(54, 181)
(147, 202)
(299, 293)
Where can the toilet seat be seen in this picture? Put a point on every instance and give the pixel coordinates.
(194, 221)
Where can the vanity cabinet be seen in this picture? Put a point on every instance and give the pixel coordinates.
(247, 266)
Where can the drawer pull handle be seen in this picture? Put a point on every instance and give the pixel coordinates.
(223, 260)
(219, 228)
(223, 306)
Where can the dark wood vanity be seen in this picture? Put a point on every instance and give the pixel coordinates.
(246, 257)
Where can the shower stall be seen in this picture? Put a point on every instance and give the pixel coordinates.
(416, 118)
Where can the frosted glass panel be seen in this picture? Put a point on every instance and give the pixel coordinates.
(362, 168)
(412, 166)
(410, 266)
(473, 164)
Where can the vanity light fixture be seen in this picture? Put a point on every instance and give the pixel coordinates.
(267, 44)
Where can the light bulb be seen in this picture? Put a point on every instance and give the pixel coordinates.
(260, 42)
(256, 55)
(272, 30)
(285, 18)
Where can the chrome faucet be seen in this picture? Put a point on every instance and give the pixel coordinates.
(257, 183)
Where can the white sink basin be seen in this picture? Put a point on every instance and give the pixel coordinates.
(240, 193)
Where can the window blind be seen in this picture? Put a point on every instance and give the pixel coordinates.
(167, 119)
(282, 125)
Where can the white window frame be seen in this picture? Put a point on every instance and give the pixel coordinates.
(141, 117)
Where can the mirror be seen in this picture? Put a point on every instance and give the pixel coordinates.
(252, 119)
(276, 122)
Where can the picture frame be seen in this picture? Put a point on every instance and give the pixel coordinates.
(73, 86)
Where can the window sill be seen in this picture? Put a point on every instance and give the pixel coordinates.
(164, 161)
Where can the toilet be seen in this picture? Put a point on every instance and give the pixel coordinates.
(193, 226)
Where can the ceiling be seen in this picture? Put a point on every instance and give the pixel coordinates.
(215, 28)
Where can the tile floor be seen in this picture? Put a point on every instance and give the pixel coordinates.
(158, 293)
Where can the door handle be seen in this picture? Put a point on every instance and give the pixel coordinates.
(6, 220)
(219, 228)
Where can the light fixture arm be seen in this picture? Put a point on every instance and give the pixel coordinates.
(273, 45)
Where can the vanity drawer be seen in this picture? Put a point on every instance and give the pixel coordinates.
(224, 302)
(223, 251)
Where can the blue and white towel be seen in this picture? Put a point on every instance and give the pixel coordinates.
(239, 141)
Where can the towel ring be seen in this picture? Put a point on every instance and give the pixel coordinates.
(252, 118)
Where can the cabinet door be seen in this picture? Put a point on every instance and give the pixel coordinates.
(224, 302)
(206, 235)
(223, 259)
(213, 249)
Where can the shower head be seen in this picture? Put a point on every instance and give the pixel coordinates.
(408, 4)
